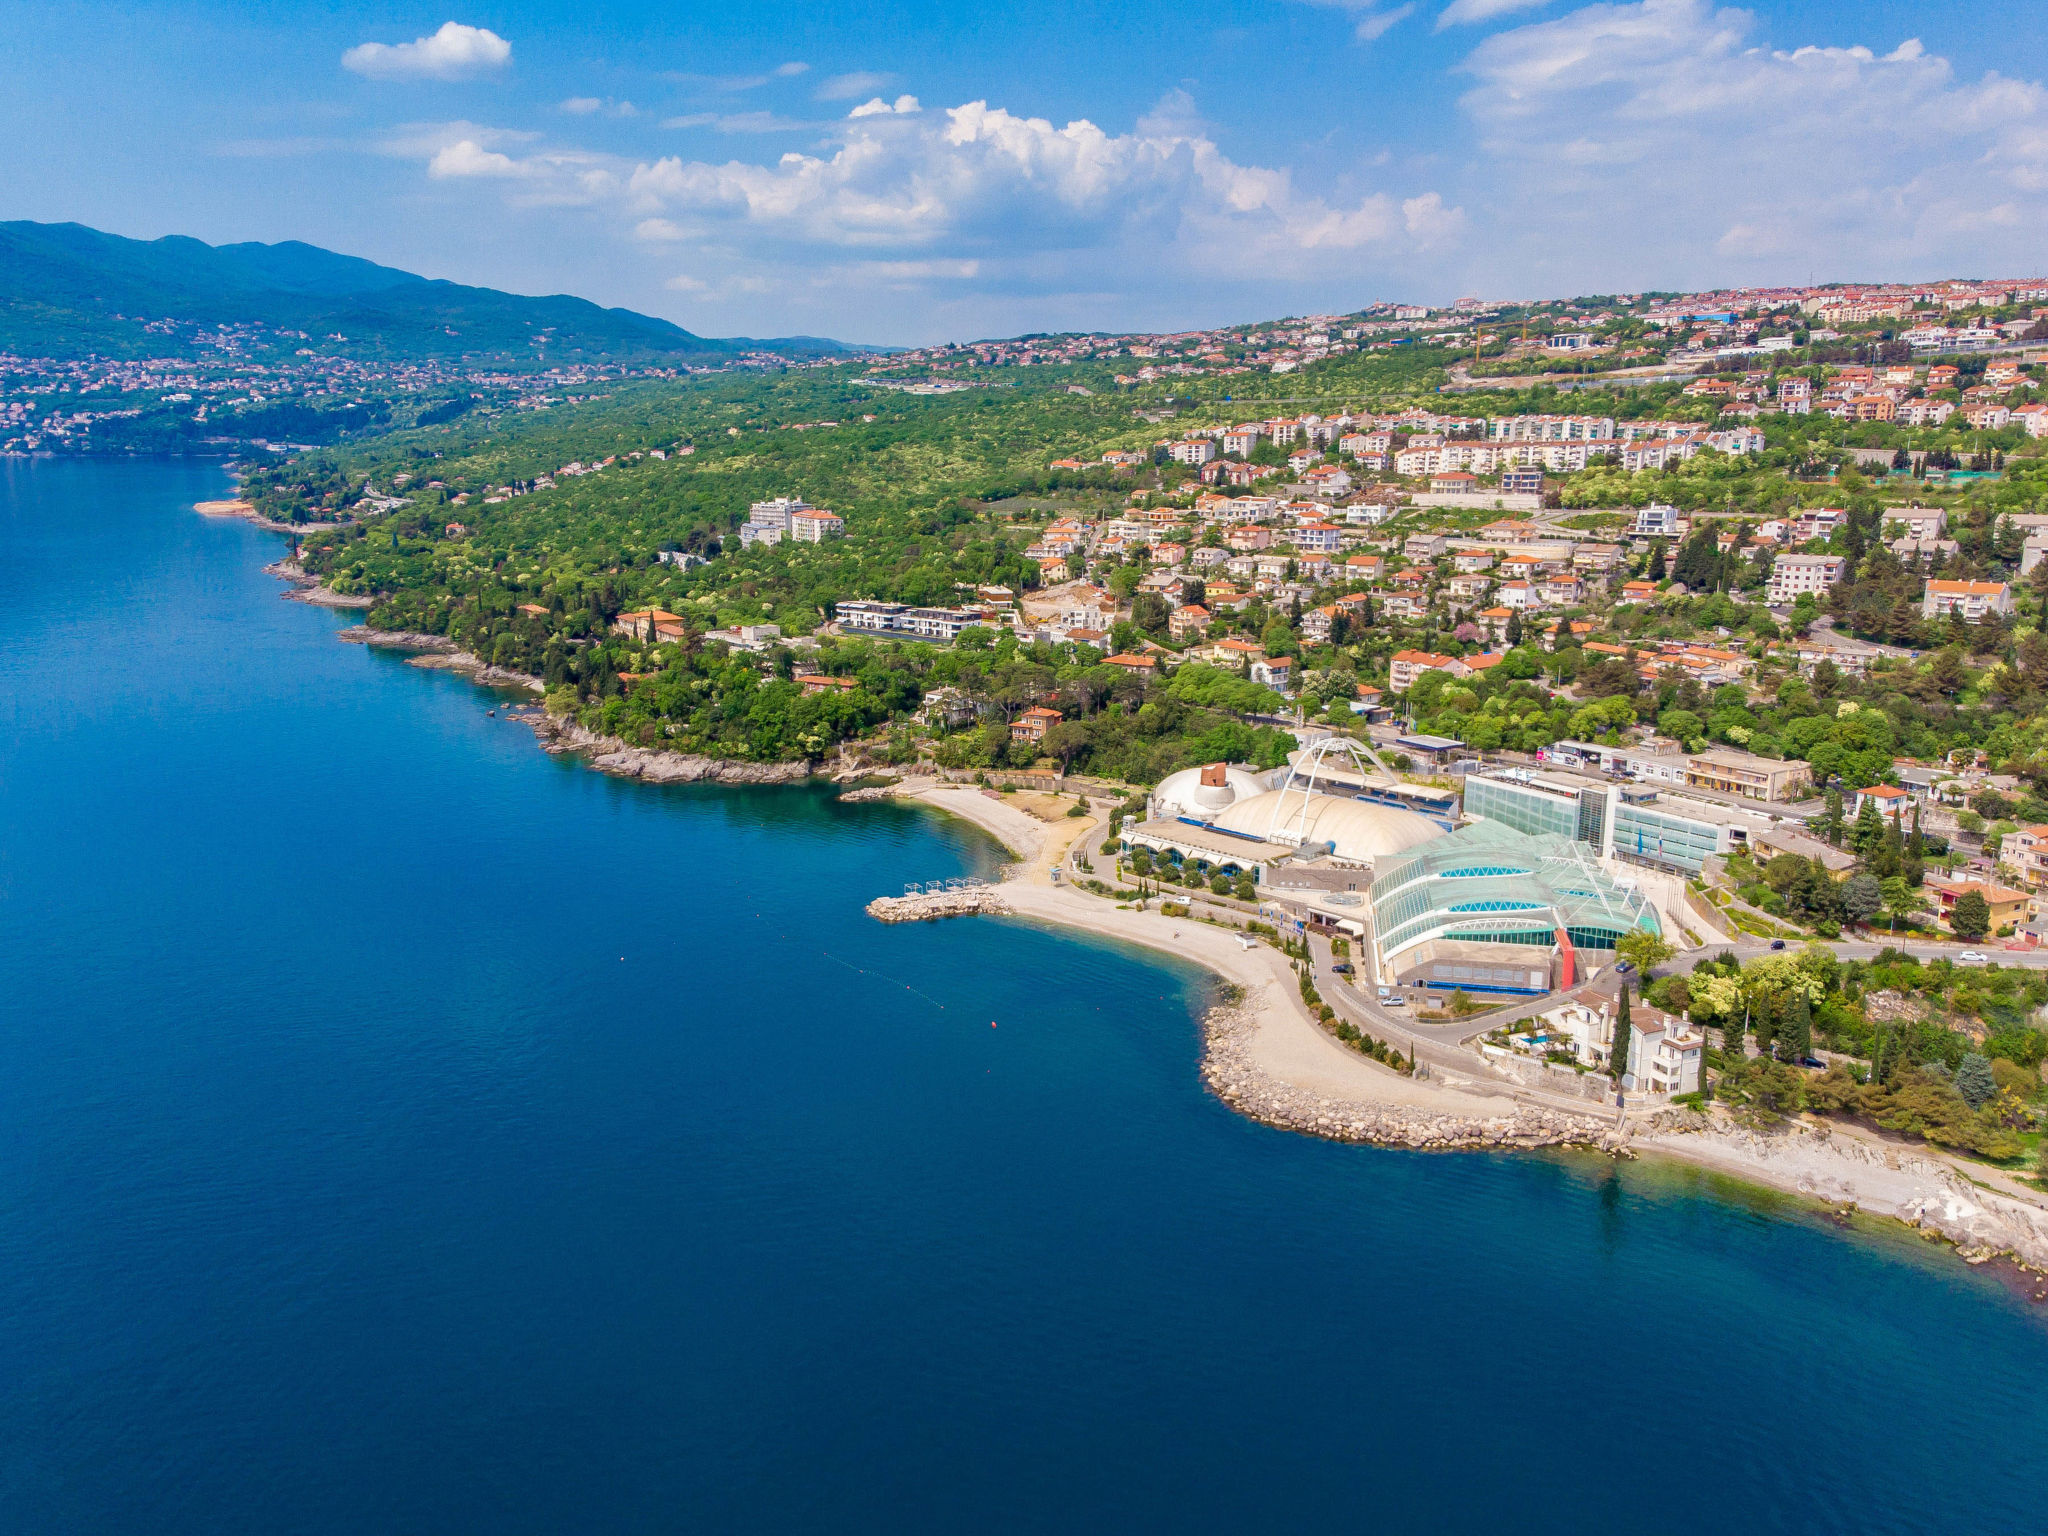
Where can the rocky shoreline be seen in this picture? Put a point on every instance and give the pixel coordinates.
(1235, 1078)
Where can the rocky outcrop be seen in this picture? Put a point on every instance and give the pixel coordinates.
(1879, 1177)
(311, 589)
(437, 653)
(610, 755)
(1233, 1077)
(929, 906)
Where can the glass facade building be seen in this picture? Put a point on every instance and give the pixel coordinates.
(1490, 884)
(1627, 821)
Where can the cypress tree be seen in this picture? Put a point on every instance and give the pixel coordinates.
(1797, 1035)
(1867, 831)
(1657, 566)
(1732, 1032)
(1914, 865)
(1890, 856)
(1617, 1059)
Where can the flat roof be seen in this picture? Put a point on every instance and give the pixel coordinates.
(1429, 743)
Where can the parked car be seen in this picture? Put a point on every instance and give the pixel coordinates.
(1973, 957)
(1342, 968)
(1777, 943)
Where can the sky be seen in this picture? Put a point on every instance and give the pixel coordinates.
(902, 172)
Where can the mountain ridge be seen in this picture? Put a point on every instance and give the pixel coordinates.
(68, 289)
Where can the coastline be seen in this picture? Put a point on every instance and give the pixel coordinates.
(238, 508)
(1266, 1058)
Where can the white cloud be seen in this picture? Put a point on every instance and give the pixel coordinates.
(453, 53)
(846, 87)
(902, 106)
(792, 69)
(581, 106)
(978, 177)
(1637, 142)
(1369, 23)
(739, 122)
(466, 157)
(1374, 25)
(1463, 12)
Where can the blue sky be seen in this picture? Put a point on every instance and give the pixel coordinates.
(907, 172)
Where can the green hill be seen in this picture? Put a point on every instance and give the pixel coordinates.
(67, 290)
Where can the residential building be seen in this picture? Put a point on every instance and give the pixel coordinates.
(1887, 798)
(1425, 546)
(1276, 672)
(900, 618)
(1747, 775)
(2008, 907)
(1915, 522)
(1192, 450)
(1793, 574)
(1972, 599)
(814, 525)
(1188, 623)
(1407, 666)
(1034, 723)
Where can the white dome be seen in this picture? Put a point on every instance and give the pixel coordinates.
(1204, 793)
(1356, 829)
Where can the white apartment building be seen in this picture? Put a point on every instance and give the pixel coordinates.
(1794, 574)
(1972, 599)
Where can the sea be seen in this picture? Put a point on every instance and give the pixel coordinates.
(402, 1130)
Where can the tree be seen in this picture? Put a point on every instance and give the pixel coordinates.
(1867, 831)
(1970, 917)
(1617, 1059)
(1795, 1035)
(1974, 1080)
(1830, 825)
(1914, 865)
(1657, 568)
(1733, 1027)
(1862, 898)
(1645, 950)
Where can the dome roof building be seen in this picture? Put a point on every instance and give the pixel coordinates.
(1356, 831)
(1203, 794)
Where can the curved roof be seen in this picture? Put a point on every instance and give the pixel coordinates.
(1488, 882)
(1355, 829)
(1184, 793)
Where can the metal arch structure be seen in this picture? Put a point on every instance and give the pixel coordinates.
(1305, 768)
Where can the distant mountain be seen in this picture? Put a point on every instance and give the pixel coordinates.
(66, 290)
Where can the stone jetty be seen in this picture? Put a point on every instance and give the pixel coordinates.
(928, 906)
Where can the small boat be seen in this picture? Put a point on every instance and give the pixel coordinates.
(490, 712)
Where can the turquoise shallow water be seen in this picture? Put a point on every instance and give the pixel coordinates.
(403, 1131)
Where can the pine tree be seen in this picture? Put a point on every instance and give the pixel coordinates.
(1970, 917)
(1867, 831)
(1617, 1058)
(1514, 629)
(1732, 1033)
(1974, 1080)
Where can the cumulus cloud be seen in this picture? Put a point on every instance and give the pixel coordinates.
(903, 106)
(1464, 12)
(455, 52)
(1673, 114)
(466, 157)
(979, 177)
(581, 106)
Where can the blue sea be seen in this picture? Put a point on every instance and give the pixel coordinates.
(404, 1131)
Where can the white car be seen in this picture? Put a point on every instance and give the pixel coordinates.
(1972, 957)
